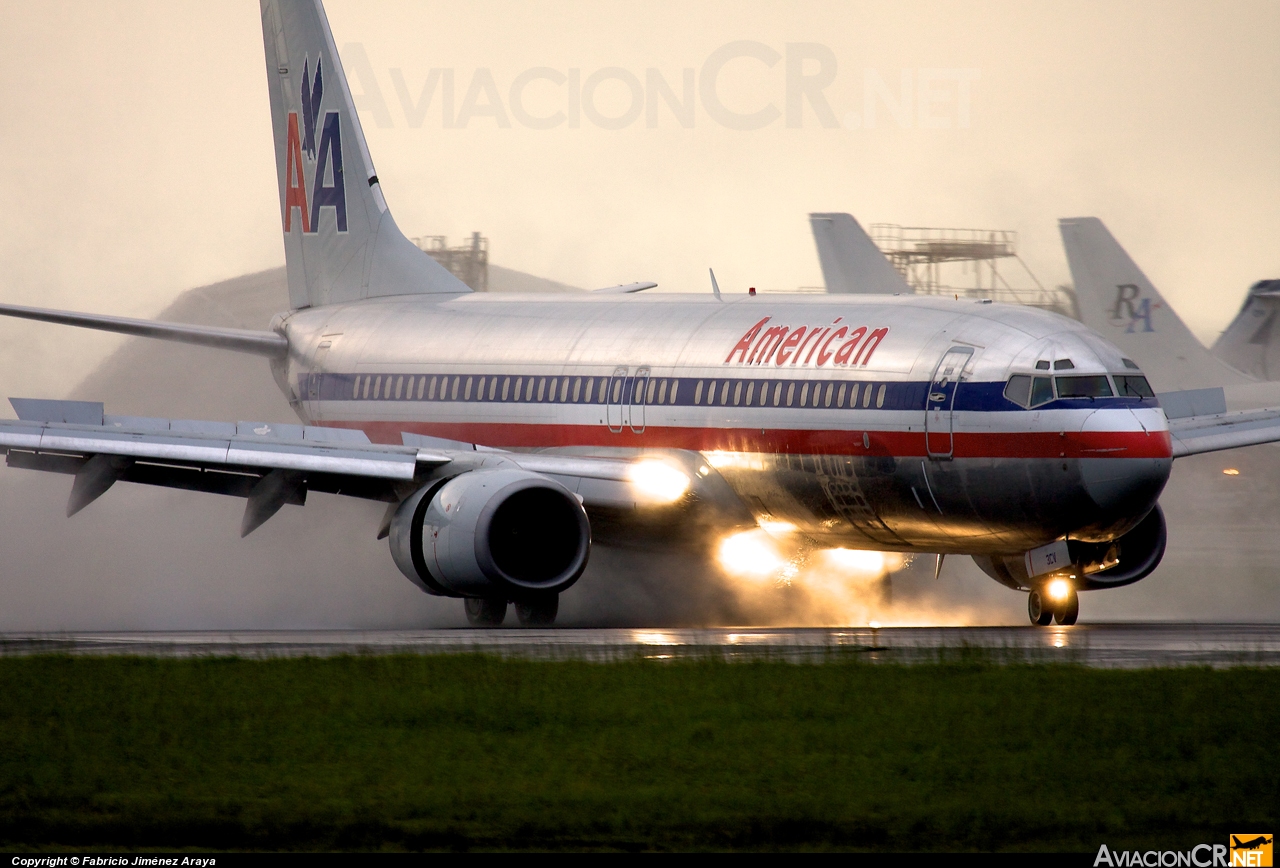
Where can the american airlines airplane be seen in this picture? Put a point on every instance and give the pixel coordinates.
(507, 433)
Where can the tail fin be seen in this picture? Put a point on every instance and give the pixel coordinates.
(1252, 342)
(851, 262)
(1118, 301)
(341, 243)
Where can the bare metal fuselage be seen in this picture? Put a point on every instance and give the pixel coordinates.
(843, 417)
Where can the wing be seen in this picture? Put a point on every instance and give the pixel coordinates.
(273, 464)
(1196, 434)
(624, 288)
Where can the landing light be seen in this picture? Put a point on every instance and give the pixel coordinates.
(659, 480)
(1059, 589)
(862, 561)
(1231, 471)
(749, 553)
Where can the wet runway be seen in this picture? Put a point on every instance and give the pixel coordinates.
(1127, 645)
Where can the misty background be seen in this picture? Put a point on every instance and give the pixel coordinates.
(138, 165)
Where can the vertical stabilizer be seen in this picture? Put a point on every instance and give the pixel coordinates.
(851, 262)
(1118, 301)
(1252, 342)
(341, 243)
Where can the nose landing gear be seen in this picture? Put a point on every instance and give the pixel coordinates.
(1042, 610)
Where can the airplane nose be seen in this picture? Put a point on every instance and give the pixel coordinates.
(1123, 488)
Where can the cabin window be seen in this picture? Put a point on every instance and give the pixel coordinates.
(791, 393)
(675, 385)
(764, 392)
(480, 389)
(604, 382)
(724, 393)
(1018, 390)
(422, 385)
(616, 396)
(777, 394)
(853, 396)
(1131, 386)
(506, 388)
(355, 393)
(751, 391)
(377, 387)
(737, 394)
(804, 394)
(662, 392)
(466, 394)
(453, 393)
(653, 388)
(866, 396)
(399, 386)
(1096, 386)
(697, 393)
(831, 387)
(493, 387)
(577, 389)
(591, 381)
(528, 390)
(817, 394)
(880, 394)
(1041, 391)
(840, 395)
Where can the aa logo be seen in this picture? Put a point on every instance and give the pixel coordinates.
(325, 160)
(1130, 310)
(1253, 851)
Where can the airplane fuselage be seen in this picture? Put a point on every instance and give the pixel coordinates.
(865, 422)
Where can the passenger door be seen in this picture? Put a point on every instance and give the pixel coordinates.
(939, 440)
(314, 374)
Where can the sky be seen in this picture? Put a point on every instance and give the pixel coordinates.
(138, 161)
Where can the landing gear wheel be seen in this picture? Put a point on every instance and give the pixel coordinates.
(1038, 610)
(538, 611)
(1068, 610)
(486, 612)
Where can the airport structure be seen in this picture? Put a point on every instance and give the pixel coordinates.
(469, 263)
(968, 263)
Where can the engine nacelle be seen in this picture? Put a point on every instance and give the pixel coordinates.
(1122, 561)
(487, 533)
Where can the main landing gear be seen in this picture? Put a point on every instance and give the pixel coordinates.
(1043, 606)
(534, 611)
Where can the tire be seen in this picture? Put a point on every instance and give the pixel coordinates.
(538, 611)
(1037, 610)
(1067, 613)
(485, 612)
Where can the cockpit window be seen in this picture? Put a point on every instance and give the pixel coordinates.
(1084, 387)
(1028, 391)
(1018, 390)
(1131, 386)
(1130, 364)
(1041, 391)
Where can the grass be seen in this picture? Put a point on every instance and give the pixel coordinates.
(457, 752)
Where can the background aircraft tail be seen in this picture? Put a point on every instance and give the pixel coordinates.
(1252, 342)
(851, 262)
(1118, 301)
(341, 243)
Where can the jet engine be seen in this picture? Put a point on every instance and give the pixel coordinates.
(1092, 565)
(509, 534)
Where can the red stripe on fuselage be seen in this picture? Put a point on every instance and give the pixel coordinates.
(899, 444)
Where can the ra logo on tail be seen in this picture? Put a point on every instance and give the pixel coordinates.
(328, 162)
(1131, 311)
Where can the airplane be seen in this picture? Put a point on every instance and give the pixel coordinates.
(1116, 299)
(1251, 844)
(507, 434)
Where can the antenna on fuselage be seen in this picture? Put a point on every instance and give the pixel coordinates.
(715, 287)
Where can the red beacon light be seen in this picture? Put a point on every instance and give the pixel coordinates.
(751, 290)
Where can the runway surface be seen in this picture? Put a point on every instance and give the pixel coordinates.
(1127, 645)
